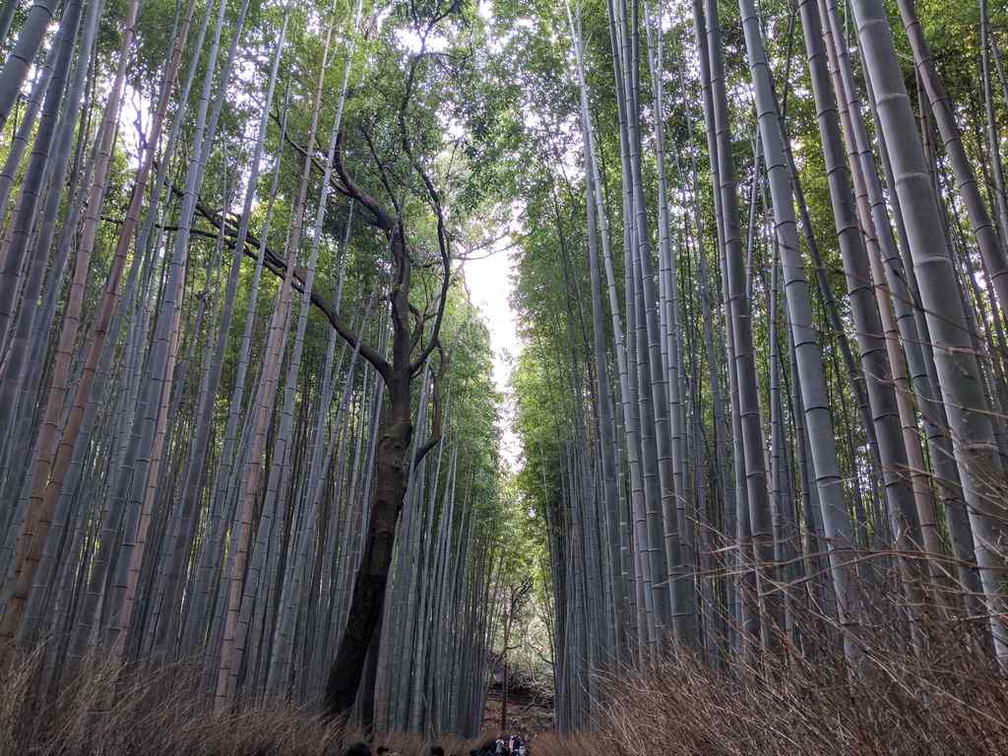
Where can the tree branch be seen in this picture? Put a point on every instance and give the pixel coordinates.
(435, 436)
(320, 168)
(444, 243)
(382, 219)
(275, 264)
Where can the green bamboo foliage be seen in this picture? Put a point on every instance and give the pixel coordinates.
(798, 455)
(160, 498)
(247, 419)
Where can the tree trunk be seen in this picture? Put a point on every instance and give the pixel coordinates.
(368, 602)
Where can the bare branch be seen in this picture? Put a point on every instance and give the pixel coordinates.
(275, 264)
(434, 200)
(383, 220)
(435, 436)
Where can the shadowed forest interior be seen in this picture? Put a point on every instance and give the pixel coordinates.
(620, 376)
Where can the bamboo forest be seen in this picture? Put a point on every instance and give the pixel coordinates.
(503, 377)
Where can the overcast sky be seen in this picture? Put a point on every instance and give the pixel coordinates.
(488, 280)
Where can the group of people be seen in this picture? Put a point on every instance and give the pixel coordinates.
(510, 746)
(363, 749)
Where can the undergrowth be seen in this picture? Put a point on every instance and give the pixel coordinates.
(941, 697)
(154, 712)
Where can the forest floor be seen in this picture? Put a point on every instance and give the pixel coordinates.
(152, 712)
(528, 715)
(940, 705)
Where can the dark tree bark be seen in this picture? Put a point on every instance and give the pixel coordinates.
(396, 427)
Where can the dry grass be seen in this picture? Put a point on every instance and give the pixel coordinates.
(577, 744)
(942, 695)
(945, 700)
(156, 713)
(691, 711)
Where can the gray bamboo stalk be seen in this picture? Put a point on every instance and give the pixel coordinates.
(6, 18)
(651, 379)
(194, 471)
(901, 284)
(24, 133)
(211, 546)
(647, 519)
(742, 352)
(958, 371)
(992, 249)
(143, 456)
(809, 359)
(631, 419)
(993, 131)
(16, 257)
(282, 635)
(77, 190)
(886, 326)
(280, 472)
(13, 372)
(905, 501)
(733, 491)
(19, 62)
(253, 467)
(680, 522)
(35, 527)
(606, 431)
